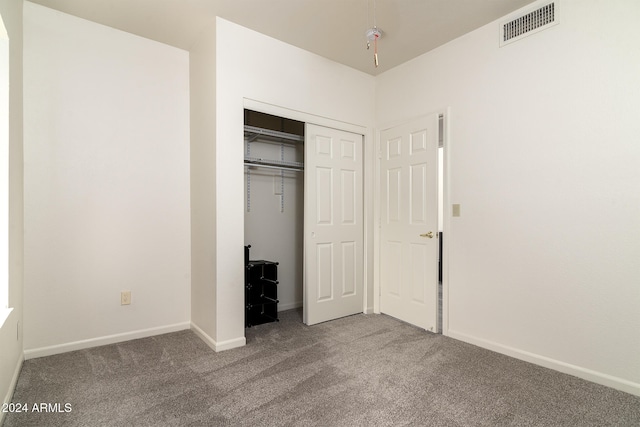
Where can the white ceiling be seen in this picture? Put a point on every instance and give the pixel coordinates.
(334, 29)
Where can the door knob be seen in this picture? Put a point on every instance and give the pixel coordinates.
(429, 235)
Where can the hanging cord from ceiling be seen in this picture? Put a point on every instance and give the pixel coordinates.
(373, 34)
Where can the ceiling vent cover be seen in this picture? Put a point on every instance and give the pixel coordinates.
(525, 25)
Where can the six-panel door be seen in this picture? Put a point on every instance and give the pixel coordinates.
(333, 224)
(409, 221)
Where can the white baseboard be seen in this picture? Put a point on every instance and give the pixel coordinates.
(109, 339)
(289, 306)
(368, 310)
(218, 346)
(12, 386)
(567, 368)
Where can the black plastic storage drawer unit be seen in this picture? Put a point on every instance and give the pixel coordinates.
(261, 291)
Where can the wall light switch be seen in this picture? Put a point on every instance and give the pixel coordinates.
(125, 297)
(455, 211)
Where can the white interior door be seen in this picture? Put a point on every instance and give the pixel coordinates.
(333, 267)
(409, 222)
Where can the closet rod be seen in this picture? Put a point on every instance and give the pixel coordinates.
(260, 165)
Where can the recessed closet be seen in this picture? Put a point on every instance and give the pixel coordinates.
(274, 199)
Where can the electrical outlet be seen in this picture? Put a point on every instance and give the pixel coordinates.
(125, 297)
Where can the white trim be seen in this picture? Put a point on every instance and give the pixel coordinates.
(446, 113)
(399, 122)
(547, 362)
(203, 336)
(368, 141)
(263, 107)
(368, 212)
(376, 223)
(447, 230)
(230, 344)
(12, 386)
(218, 346)
(105, 340)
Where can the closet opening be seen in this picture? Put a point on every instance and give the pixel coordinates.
(273, 216)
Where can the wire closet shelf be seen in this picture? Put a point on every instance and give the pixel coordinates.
(252, 133)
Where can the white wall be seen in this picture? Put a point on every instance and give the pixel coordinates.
(544, 153)
(11, 340)
(251, 65)
(202, 86)
(107, 204)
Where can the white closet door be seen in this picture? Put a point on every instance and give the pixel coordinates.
(409, 222)
(333, 224)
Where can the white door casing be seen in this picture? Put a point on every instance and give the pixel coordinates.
(334, 232)
(408, 216)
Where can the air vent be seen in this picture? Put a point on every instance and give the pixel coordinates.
(528, 24)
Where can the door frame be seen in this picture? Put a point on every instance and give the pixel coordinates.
(369, 162)
(446, 223)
